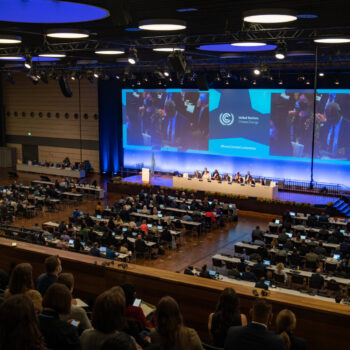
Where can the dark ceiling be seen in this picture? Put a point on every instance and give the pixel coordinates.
(217, 21)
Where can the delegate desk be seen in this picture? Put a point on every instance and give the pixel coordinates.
(269, 192)
(325, 325)
(50, 170)
(97, 191)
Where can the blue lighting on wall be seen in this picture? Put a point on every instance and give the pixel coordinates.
(230, 48)
(44, 11)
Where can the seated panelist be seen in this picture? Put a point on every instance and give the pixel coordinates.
(248, 178)
(226, 177)
(206, 174)
(216, 175)
(238, 178)
(197, 174)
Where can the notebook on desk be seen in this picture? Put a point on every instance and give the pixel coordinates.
(147, 308)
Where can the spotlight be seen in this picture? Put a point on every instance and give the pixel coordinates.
(145, 79)
(73, 75)
(337, 82)
(132, 57)
(257, 71)
(117, 77)
(280, 82)
(166, 73)
(227, 82)
(96, 75)
(217, 78)
(321, 74)
(159, 83)
(28, 62)
(280, 54)
(254, 82)
(301, 77)
(138, 83)
(308, 82)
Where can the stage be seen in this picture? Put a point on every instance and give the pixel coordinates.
(167, 181)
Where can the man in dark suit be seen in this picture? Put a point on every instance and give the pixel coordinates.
(175, 127)
(334, 134)
(255, 335)
(316, 280)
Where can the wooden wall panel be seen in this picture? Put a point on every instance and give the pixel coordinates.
(43, 98)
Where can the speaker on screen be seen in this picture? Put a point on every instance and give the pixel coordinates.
(65, 89)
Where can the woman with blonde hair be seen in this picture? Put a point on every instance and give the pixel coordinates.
(285, 324)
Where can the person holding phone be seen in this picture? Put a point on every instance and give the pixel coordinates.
(133, 312)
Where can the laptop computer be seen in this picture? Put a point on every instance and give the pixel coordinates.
(267, 262)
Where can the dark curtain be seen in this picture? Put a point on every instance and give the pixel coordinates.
(110, 125)
(2, 117)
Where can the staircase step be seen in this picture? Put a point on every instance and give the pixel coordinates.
(338, 203)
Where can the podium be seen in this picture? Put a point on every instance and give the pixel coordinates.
(145, 175)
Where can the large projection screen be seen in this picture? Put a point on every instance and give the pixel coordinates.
(268, 132)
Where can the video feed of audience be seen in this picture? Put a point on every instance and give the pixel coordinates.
(168, 119)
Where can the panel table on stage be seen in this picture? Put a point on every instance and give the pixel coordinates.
(257, 190)
(50, 170)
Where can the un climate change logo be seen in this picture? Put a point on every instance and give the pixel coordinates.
(227, 119)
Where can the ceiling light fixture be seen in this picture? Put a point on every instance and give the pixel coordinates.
(248, 44)
(10, 39)
(269, 16)
(168, 49)
(53, 54)
(162, 24)
(110, 52)
(257, 71)
(67, 33)
(11, 58)
(332, 40)
(28, 62)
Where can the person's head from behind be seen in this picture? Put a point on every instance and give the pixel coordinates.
(169, 319)
(285, 324)
(228, 302)
(279, 267)
(21, 279)
(58, 298)
(108, 311)
(66, 279)
(119, 341)
(333, 112)
(19, 328)
(262, 311)
(129, 292)
(204, 268)
(53, 265)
